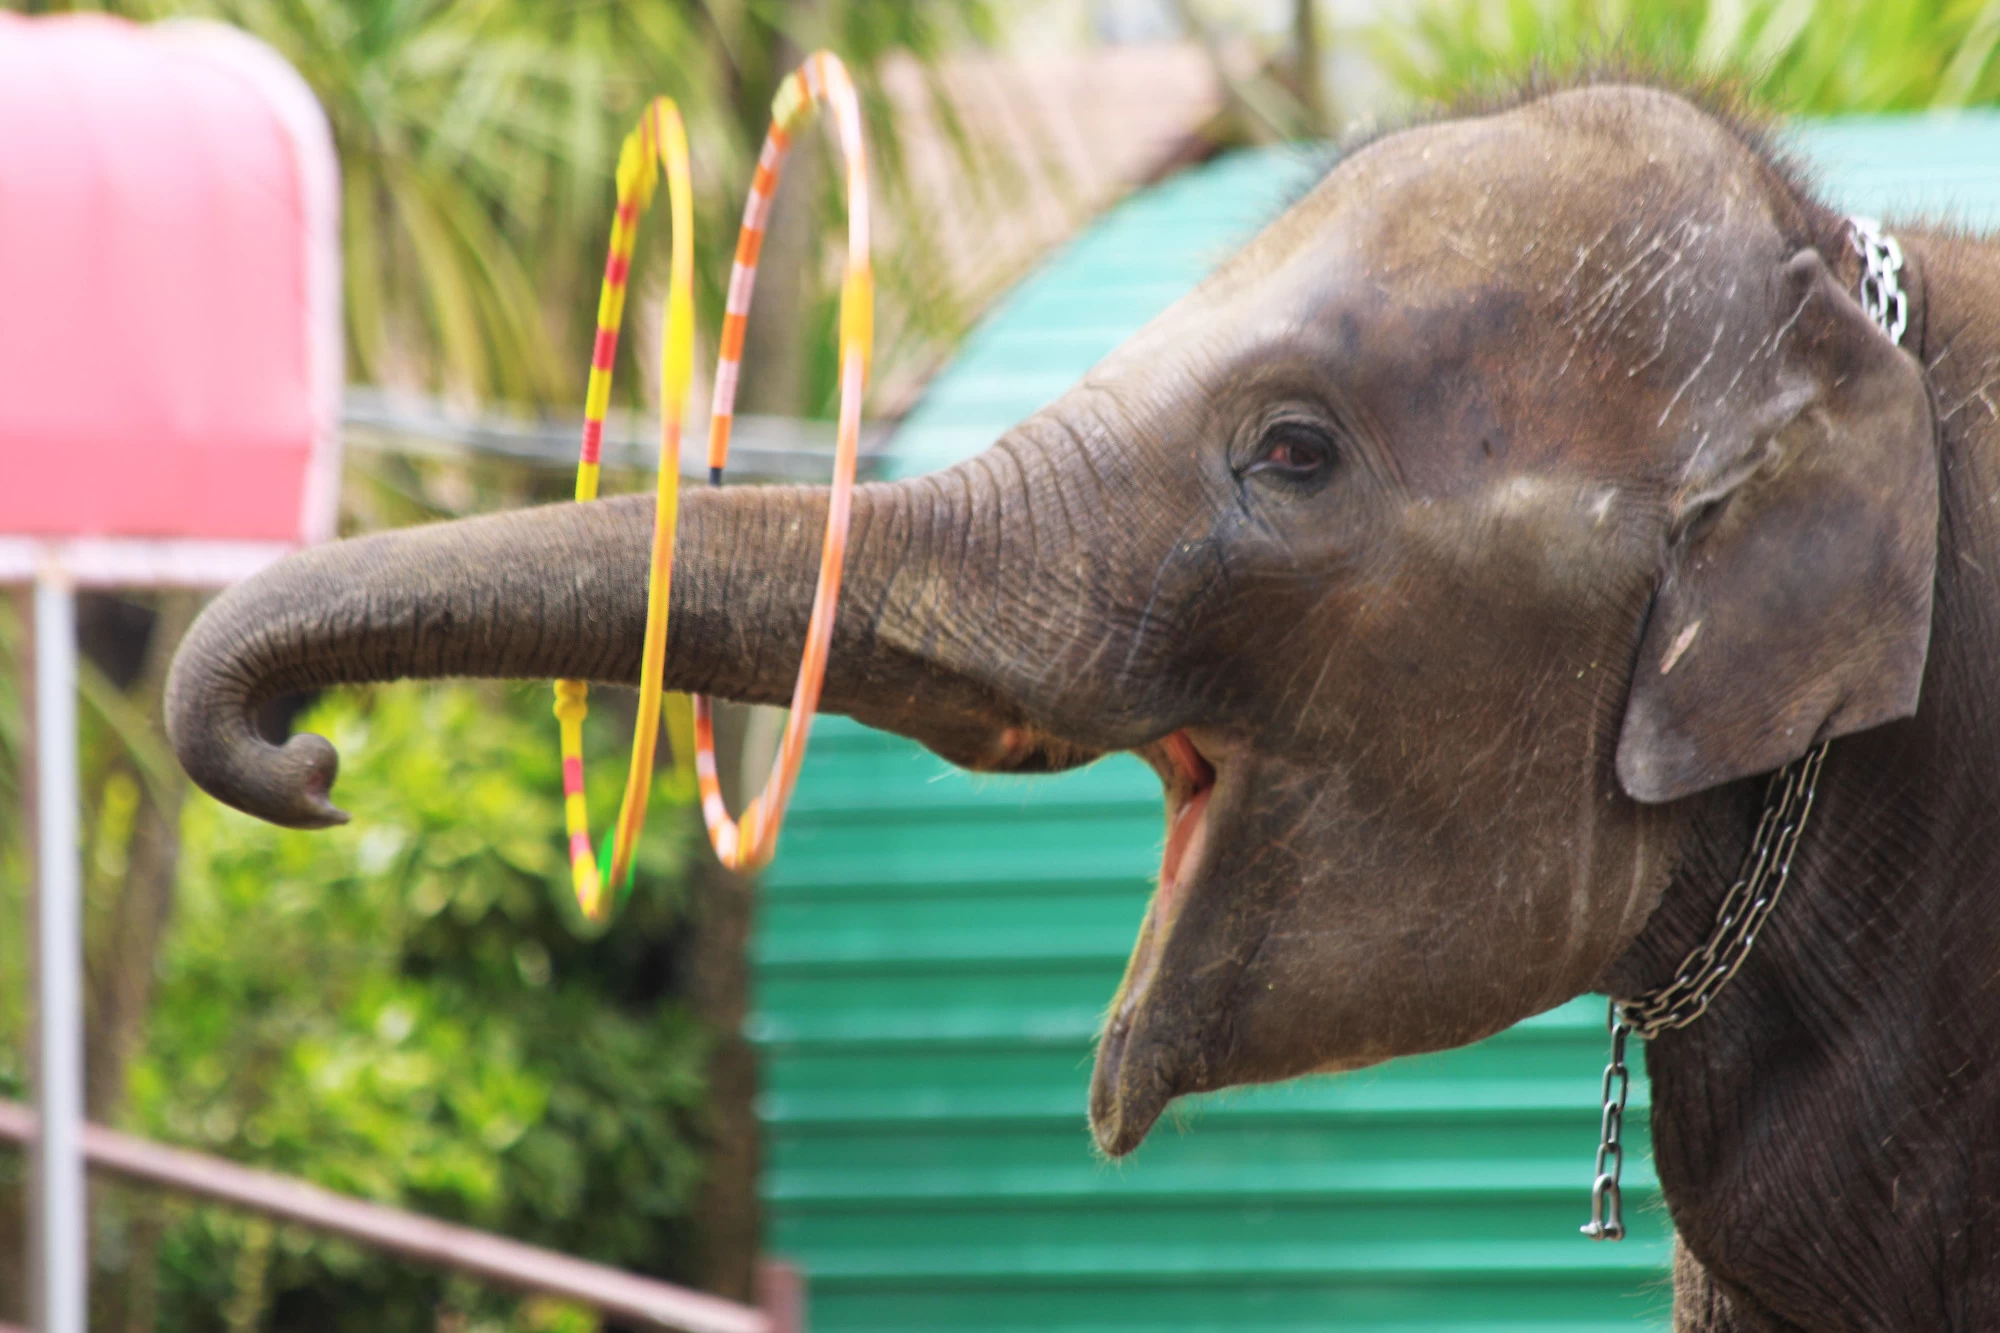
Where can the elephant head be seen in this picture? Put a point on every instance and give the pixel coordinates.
(1524, 487)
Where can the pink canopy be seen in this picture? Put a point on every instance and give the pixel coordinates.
(170, 355)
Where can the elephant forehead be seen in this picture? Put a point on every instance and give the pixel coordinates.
(1548, 285)
(1616, 213)
(1590, 282)
(1536, 195)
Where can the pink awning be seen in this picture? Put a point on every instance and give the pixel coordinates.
(169, 294)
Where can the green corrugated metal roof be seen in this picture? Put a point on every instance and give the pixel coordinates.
(1092, 296)
(935, 949)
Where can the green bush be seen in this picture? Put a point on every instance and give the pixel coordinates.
(410, 1009)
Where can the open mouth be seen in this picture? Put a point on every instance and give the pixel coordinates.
(1189, 777)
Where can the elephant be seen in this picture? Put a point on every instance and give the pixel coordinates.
(1462, 554)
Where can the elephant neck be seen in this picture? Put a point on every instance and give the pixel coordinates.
(1828, 1134)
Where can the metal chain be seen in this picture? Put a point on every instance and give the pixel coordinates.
(1768, 864)
(1607, 1217)
(1708, 967)
(1882, 296)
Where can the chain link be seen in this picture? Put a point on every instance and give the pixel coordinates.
(1768, 864)
(1882, 296)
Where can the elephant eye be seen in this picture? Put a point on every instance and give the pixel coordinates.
(1293, 452)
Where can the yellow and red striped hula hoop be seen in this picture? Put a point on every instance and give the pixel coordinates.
(660, 140)
(821, 79)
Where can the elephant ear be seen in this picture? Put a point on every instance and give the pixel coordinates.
(1796, 602)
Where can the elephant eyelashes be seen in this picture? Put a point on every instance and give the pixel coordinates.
(1294, 453)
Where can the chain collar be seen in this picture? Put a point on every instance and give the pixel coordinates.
(1766, 866)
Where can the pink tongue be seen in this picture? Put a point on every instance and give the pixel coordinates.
(1184, 841)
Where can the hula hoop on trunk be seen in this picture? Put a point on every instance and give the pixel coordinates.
(821, 80)
(659, 140)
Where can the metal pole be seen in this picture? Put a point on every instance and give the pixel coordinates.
(57, 1224)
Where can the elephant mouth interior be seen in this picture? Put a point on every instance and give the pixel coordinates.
(1189, 782)
(1189, 778)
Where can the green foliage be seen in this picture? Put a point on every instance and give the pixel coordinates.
(1801, 56)
(477, 141)
(122, 761)
(410, 1009)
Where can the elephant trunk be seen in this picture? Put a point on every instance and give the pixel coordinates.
(929, 641)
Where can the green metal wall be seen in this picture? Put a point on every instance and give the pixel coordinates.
(935, 950)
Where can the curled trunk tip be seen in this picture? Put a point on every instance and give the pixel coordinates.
(215, 735)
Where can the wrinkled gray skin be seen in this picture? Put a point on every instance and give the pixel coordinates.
(1490, 524)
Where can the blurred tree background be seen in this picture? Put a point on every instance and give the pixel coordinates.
(1805, 57)
(477, 139)
(423, 1020)
(408, 1008)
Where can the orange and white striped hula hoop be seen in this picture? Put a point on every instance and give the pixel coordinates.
(822, 79)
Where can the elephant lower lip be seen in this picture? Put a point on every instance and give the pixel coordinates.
(1121, 1114)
